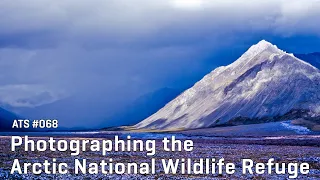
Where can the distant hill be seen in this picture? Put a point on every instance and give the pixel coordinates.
(73, 112)
(6, 119)
(143, 107)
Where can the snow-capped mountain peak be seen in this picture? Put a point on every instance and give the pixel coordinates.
(264, 83)
(262, 45)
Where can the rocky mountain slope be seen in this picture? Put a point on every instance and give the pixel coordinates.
(265, 84)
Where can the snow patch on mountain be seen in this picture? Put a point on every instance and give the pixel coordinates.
(296, 128)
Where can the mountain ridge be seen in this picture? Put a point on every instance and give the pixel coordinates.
(6, 120)
(244, 88)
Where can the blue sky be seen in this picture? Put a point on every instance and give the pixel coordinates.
(116, 50)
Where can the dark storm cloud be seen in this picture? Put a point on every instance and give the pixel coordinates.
(120, 23)
(116, 50)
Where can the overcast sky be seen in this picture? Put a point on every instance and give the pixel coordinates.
(117, 50)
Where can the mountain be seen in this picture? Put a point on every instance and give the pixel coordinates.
(72, 112)
(144, 106)
(6, 119)
(265, 84)
(312, 58)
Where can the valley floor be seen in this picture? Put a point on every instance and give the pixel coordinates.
(283, 149)
(282, 128)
